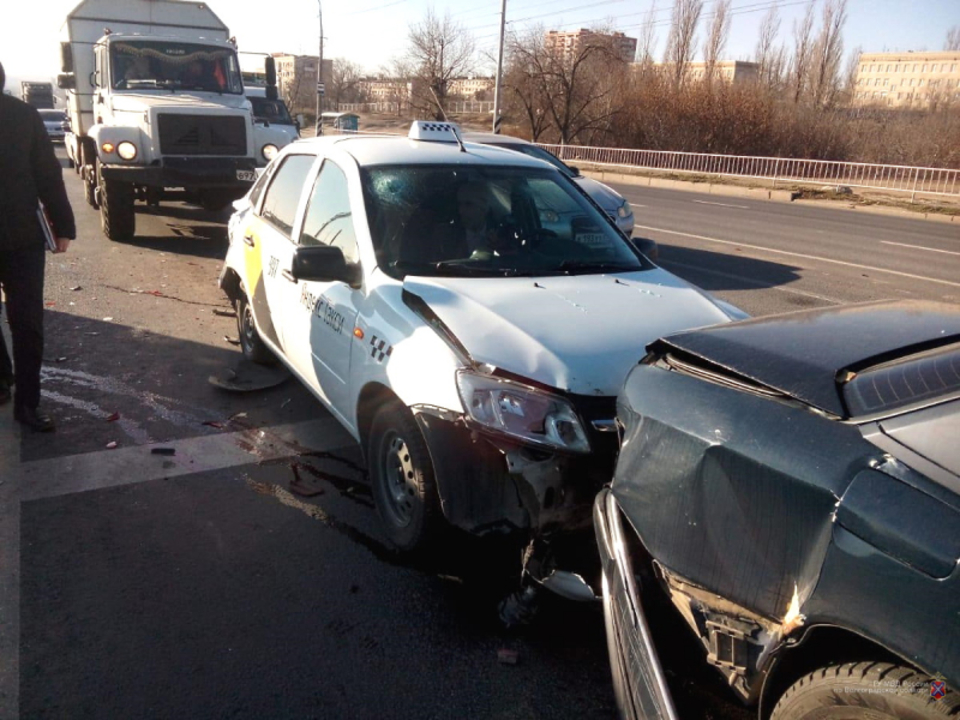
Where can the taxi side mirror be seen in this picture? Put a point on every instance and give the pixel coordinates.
(324, 263)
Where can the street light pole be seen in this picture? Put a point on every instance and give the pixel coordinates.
(497, 90)
(319, 121)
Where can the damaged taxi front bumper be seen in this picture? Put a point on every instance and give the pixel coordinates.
(638, 677)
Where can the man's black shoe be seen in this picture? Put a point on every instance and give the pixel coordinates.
(38, 421)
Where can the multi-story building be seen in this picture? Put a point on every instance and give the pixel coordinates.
(730, 71)
(297, 80)
(470, 87)
(907, 79)
(567, 43)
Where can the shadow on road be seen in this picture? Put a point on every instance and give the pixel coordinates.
(714, 271)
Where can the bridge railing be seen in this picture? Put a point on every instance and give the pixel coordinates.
(898, 178)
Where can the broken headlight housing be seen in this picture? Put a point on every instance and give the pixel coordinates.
(522, 412)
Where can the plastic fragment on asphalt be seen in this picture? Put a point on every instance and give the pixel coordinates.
(231, 340)
(214, 424)
(505, 656)
(61, 359)
(163, 451)
(76, 287)
(111, 445)
(108, 319)
(113, 417)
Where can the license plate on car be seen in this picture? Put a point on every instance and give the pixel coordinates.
(246, 175)
(592, 240)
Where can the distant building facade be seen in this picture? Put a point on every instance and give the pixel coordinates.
(380, 90)
(566, 44)
(734, 72)
(470, 88)
(297, 80)
(907, 79)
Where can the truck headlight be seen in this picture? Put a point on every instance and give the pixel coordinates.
(127, 150)
(521, 411)
(269, 151)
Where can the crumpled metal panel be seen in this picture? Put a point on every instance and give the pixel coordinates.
(733, 491)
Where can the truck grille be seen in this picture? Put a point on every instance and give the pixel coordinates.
(202, 135)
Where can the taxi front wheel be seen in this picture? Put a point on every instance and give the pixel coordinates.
(402, 479)
(252, 346)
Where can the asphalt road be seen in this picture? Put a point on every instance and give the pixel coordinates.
(242, 573)
(769, 257)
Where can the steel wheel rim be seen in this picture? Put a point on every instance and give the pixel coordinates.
(248, 331)
(398, 475)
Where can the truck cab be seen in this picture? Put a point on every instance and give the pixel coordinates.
(157, 109)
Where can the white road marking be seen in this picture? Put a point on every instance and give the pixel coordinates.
(52, 477)
(707, 202)
(802, 255)
(919, 247)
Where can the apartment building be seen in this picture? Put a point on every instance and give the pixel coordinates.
(908, 79)
(297, 79)
(731, 71)
(471, 87)
(567, 43)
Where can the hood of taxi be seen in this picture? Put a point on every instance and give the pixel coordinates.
(580, 334)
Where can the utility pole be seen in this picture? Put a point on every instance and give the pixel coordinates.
(320, 88)
(497, 90)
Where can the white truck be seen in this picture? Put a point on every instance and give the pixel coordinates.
(157, 108)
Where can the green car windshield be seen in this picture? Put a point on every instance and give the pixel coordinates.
(488, 220)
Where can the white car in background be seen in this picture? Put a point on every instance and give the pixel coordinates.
(56, 122)
(481, 384)
(613, 203)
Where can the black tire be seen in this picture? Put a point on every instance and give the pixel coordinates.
(251, 343)
(89, 193)
(865, 691)
(117, 217)
(402, 480)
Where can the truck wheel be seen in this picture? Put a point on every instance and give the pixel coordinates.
(117, 218)
(401, 475)
(252, 346)
(90, 192)
(865, 690)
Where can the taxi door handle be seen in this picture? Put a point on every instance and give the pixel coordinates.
(287, 275)
(248, 240)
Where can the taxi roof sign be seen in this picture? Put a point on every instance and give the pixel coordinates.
(435, 130)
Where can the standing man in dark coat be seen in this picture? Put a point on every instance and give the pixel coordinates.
(29, 171)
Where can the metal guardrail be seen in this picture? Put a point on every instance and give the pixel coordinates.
(898, 178)
(456, 107)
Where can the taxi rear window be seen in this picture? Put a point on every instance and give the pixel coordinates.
(914, 380)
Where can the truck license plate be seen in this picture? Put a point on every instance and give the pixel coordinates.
(246, 175)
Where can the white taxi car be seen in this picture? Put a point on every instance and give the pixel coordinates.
(477, 367)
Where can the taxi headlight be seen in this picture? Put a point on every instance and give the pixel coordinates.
(624, 210)
(522, 412)
(127, 150)
(269, 151)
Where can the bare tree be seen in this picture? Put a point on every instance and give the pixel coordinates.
(439, 51)
(768, 55)
(647, 37)
(850, 75)
(802, 50)
(683, 28)
(344, 82)
(827, 53)
(952, 43)
(716, 38)
(571, 94)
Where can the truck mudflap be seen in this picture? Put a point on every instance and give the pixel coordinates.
(638, 677)
(188, 172)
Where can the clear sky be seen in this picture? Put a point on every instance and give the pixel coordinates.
(371, 32)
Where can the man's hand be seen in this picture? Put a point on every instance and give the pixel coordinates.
(62, 244)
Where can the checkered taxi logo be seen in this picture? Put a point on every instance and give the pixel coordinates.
(379, 349)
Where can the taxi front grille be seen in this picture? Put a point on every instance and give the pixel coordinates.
(202, 135)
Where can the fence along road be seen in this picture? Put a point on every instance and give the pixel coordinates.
(897, 178)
